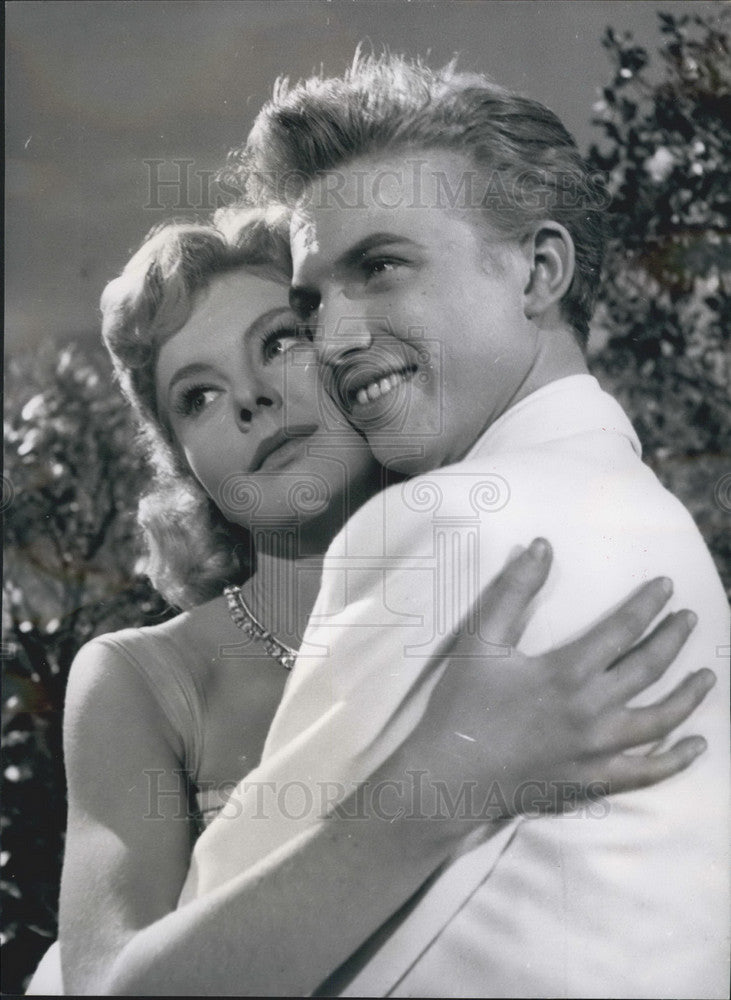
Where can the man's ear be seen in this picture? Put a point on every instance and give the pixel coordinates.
(553, 259)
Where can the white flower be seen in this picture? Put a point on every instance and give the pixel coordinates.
(660, 164)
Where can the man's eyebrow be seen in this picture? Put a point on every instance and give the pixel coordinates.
(304, 296)
(374, 240)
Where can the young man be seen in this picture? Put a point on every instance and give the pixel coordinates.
(447, 246)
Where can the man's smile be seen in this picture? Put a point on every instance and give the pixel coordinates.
(360, 384)
(380, 387)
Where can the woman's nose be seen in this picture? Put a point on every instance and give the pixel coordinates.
(249, 405)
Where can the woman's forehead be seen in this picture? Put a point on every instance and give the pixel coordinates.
(238, 297)
(249, 291)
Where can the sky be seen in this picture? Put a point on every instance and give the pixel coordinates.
(104, 96)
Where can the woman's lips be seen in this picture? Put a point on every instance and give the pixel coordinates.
(278, 450)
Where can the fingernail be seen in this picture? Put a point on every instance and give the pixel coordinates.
(667, 585)
(708, 676)
(691, 619)
(538, 549)
(698, 745)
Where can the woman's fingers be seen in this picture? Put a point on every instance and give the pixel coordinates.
(630, 772)
(647, 725)
(648, 661)
(614, 636)
(501, 609)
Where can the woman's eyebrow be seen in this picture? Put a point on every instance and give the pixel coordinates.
(187, 371)
(267, 318)
(202, 367)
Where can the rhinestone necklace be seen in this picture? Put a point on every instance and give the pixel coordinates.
(243, 618)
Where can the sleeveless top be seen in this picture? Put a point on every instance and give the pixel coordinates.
(168, 659)
(161, 664)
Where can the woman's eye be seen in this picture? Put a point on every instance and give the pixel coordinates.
(195, 399)
(281, 341)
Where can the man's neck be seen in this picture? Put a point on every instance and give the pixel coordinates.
(557, 356)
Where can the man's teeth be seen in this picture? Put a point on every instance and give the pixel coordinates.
(379, 387)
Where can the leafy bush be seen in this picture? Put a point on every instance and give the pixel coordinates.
(665, 308)
(69, 495)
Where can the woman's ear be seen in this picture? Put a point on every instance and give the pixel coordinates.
(553, 259)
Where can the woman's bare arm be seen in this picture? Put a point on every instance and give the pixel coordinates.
(129, 839)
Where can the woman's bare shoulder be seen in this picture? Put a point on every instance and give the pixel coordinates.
(191, 637)
(129, 664)
(201, 672)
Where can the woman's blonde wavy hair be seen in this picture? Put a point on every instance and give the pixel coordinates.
(191, 550)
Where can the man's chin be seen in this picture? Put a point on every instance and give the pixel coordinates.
(409, 458)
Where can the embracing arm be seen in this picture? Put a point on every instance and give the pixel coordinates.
(128, 849)
(249, 936)
(128, 840)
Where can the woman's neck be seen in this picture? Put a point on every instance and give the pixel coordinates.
(289, 559)
(282, 592)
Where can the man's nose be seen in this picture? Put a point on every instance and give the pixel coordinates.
(343, 329)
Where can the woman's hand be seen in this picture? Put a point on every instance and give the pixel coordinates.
(533, 733)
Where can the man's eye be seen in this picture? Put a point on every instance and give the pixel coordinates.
(375, 267)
